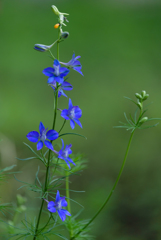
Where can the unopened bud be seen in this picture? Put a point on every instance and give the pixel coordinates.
(21, 200)
(56, 11)
(41, 47)
(21, 208)
(145, 97)
(143, 120)
(143, 93)
(64, 35)
(138, 96)
(139, 104)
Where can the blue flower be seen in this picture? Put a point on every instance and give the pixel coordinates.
(34, 136)
(72, 114)
(64, 153)
(64, 86)
(58, 205)
(56, 73)
(74, 63)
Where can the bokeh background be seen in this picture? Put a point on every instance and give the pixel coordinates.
(120, 46)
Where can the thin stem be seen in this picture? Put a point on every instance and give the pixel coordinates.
(68, 201)
(114, 186)
(56, 165)
(48, 163)
(62, 125)
(45, 224)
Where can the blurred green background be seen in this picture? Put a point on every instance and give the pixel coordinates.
(120, 47)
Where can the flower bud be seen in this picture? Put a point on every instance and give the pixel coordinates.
(64, 35)
(139, 104)
(138, 96)
(143, 93)
(145, 97)
(41, 47)
(20, 200)
(21, 209)
(56, 11)
(11, 229)
(143, 120)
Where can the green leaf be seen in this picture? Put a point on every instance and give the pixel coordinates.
(34, 152)
(7, 168)
(26, 159)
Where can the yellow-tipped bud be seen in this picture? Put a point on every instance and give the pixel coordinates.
(56, 25)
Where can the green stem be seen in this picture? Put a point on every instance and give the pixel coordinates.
(114, 186)
(68, 201)
(62, 125)
(48, 163)
(45, 224)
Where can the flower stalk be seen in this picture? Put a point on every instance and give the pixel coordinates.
(111, 192)
(48, 163)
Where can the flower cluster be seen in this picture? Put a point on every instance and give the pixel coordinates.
(57, 76)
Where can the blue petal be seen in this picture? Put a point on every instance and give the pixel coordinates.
(52, 135)
(77, 64)
(52, 87)
(66, 86)
(64, 114)
(41, 127)
(51, 79)
(64, 202)
(66, 212)
(48, 71)
(78, 122)
(62, 144)
(77, 57)
(51, 207)
(62, 215)
(77, 112)
(68, 164)
(61, 93)
(63, 71)
(70, 104)
(72, 124)
(33, 136)
(48, 145)
(70, 160)
(57, 196)
(56, 62)
(78, 70)
(39, 145)
(59, 79)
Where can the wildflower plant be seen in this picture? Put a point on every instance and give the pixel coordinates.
(57, 157)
